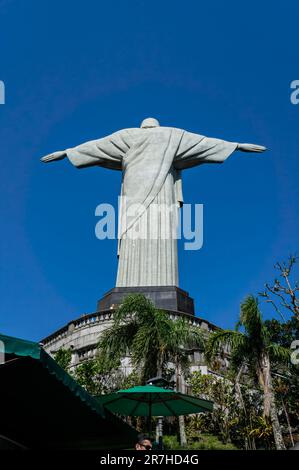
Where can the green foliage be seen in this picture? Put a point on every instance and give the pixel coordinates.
(261, 429)
(249, 342)
(203, 442)
(63, 358)
(251, 345)
(131, 380)
(286, 384)
(283, 333)
(251, 348)
(224, 415)
(86, 375)
(198, 424)
(171, 443)
(98, 377)
(235, 418)
(287, 392)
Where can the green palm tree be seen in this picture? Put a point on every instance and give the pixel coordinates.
(253, 349)
(151, 339)
(149, 336)
(183, 340)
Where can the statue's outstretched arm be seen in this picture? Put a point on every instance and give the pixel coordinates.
(107, 152)
(251, 148)
(52, 157)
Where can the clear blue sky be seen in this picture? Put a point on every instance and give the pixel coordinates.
(76, 71)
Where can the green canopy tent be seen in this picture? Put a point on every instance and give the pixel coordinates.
(149, 400)
(42, 406)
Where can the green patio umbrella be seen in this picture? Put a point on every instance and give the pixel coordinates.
(149, 400)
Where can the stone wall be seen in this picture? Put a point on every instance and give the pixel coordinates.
(82, 334)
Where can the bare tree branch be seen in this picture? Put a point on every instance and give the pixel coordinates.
(282, 293)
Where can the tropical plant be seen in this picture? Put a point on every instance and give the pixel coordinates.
(148, 336)
(87, 375)
(286, 376)
(63, 358)
(252, 347)
(221, 392)
(261, 430)
(97, 376)
(204, 442)
(151, 339)
(283, 333)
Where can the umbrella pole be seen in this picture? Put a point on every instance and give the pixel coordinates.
(150, 416)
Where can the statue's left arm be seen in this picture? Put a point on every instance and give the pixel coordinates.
(195, 149)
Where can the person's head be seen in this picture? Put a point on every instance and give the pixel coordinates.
(143, 442)
(149, 122)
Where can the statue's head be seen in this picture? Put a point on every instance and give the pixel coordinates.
(149, 122)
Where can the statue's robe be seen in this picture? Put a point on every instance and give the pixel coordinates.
(151, 160)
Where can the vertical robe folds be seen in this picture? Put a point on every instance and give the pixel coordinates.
(151, 160)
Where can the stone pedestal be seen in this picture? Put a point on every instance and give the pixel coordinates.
(165, 297)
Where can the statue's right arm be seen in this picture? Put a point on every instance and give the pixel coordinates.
(52, 157)
(106, 152)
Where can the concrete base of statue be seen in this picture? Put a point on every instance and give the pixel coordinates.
(82, 334)
(169, 298)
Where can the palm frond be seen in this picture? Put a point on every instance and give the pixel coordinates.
(252, 321)
(116, 341)
(134, 305)
(151, 341)
(218, 340)
(278, 353)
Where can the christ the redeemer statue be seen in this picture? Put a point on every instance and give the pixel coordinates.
(151, 159)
